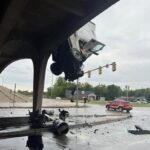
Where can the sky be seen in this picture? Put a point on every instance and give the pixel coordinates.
(124, 29)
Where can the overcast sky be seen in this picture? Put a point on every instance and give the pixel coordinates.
(124, 28)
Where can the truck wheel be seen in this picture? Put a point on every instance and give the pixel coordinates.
(56, 69)
(120, 109)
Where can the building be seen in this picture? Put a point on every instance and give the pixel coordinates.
(81, 94)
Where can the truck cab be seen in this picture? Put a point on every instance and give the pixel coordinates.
(71, 54)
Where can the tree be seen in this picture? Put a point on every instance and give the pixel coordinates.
(59, 88)
(113, 92)
(60, 82)
(86, 87)
(110, 92)
(147, 94)
(27, 93)
(49, 92)
(70, 85)
(100, 90)
(58, 91)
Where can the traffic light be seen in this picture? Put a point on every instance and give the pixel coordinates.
(100, 70)
(113, 66)
(89, 74)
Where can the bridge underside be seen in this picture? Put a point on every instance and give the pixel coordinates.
(32, 29)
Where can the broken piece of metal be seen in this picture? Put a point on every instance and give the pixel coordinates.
(139, 131)
(60, 128)
(63, 114)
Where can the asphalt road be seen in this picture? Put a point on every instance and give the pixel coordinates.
(113, 136)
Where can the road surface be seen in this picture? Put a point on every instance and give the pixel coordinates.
(113, 136)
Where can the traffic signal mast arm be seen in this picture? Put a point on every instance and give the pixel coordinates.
(100, 69)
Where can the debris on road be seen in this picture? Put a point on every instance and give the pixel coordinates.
(139, 131)
(63, 114)
(95, 130)
(72, 132)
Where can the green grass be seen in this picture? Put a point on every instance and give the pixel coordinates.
(98, 102)
(134, 104)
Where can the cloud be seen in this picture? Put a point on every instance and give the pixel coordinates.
(124, 28)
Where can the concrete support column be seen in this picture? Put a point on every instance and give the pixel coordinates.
(39, 65)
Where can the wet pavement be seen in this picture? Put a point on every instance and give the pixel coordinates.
(113, 136)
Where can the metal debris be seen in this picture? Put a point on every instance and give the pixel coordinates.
(95, 130)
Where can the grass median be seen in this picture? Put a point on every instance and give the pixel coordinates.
(98, 102)
(134, 104)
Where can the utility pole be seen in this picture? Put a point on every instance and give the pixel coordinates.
(77, 93)
(127, 89)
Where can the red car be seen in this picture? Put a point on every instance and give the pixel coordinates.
(119, 104)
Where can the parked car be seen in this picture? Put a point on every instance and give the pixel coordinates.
(119, 104)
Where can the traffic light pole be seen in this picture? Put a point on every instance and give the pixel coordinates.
(127, 89)
(77, 98)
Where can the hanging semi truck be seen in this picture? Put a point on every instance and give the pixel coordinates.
(71, 54)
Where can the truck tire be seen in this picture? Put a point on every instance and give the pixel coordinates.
(56, 69)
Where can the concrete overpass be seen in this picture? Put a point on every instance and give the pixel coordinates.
(33, 28)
